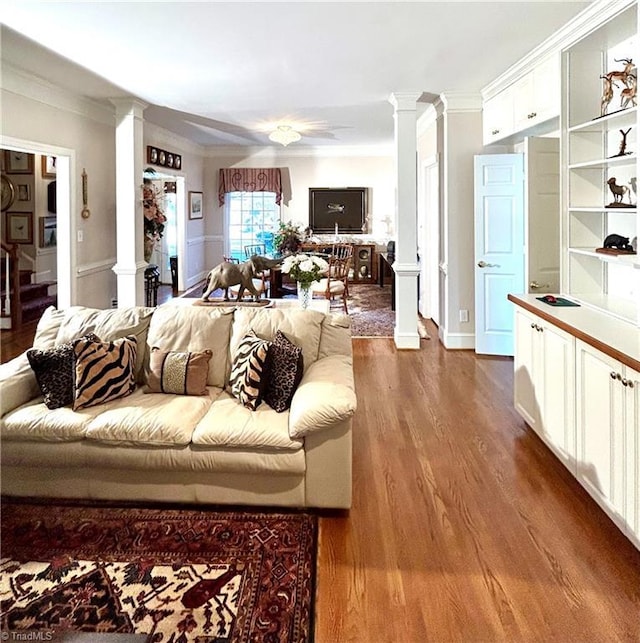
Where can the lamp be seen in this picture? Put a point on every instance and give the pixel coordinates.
(284, 134)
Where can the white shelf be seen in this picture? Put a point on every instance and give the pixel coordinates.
(621, 118)
(600, 164)
(623, 259)
(603, 209)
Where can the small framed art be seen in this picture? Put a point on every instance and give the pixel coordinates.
(23, 191)
(48, 232)
(20, 227)
(49, 167)
(18, 162)
(195, 205)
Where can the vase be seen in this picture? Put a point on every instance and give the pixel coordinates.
(149, 246)
(304, 295)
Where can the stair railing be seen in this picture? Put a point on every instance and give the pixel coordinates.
(12, 304)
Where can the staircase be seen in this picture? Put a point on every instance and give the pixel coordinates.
(30, 301)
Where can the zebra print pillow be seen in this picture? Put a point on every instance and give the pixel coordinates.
(104, 370)
(247, 371)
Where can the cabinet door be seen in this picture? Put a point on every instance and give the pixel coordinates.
(536, 96)
(600, 429)
(523, 102)
(497, 117)
(632, 450)
(526, 354)
(557, 379)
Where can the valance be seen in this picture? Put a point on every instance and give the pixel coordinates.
(248, 179)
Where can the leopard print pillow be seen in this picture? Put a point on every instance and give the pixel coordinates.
(285, 372)
(54, 369)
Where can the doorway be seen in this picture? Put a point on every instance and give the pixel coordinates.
(429, 241)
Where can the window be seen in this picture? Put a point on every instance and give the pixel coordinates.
(251, 217)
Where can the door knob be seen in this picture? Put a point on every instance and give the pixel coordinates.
(484, 264)
(534, 285)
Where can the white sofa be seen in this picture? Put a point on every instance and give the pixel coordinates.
(192, 449)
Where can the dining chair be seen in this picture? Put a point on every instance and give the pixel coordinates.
(336, 283)
(259, 249)
(343, 251)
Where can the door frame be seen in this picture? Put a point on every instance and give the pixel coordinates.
(66, 251)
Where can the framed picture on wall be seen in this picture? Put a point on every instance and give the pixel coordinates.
(48, 232)
(20, 227)
(18, 162)
(195, 205)
(49, 167)
(24, 191)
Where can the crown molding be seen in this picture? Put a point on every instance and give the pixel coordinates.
(405, 101)
(302, 151)
(22, 83)
(586, 21)
(455, 101)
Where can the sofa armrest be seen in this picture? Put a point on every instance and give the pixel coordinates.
(18, 384)
(326, 396)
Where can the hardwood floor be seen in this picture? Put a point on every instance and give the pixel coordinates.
(464, 526)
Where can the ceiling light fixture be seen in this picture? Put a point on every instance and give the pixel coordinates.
(284, 134)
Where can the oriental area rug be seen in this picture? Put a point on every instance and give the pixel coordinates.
(171, 575)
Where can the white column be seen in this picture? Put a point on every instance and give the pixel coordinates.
(406, 266)
(130, 264)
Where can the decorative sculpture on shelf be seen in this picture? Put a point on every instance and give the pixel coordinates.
(616, 244)
(618, 192)
(623, 144)
(625, 77)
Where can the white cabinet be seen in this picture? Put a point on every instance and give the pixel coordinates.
(592, 157)
(608, 424)
(536, 96)
(497, 117)
(544, 364)
(524, 105)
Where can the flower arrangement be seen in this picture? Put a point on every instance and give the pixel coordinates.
(154, 218)
(288, 239)
(305, 269)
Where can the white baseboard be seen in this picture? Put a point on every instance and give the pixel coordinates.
(409, 341)
(457, 341)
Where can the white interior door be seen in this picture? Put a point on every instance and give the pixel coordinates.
(542, 203)
(499, 248)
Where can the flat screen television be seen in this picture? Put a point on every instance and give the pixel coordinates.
(345, 206)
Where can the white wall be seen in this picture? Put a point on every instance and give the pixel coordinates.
(302, 170)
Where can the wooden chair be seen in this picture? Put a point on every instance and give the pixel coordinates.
(343, 251)
(336, 283)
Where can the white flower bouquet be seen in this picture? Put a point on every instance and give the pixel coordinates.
(305, 269)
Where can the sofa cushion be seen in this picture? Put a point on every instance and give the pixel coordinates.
(302, 327)
(248, 371)
(178, 373)
(54, 370)
(34, 421)
(335, 338)
(286, 366)
(194, 329)
(104, 371)
(108, 325)
(47, 328)
(325, 396)
(228, 424)
(150, 419)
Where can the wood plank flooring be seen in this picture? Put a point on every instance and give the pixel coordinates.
(464, 526)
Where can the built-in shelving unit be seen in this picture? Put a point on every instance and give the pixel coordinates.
(593, 155)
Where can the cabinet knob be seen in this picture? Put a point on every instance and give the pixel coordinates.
(626, 382)
(494, 132)
(612, 375)
(532, 115)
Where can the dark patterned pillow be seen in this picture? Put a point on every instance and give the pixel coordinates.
(286, 367)
(104, 370)
(178, 373)
(248, 369)
(53, 369)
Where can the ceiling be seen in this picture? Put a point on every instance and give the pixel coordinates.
(225, 73)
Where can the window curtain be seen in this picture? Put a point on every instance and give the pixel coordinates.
(249, 180)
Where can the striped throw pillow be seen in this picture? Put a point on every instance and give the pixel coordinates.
(104, 370)
(248, 369)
